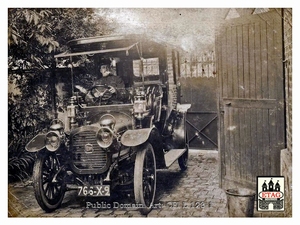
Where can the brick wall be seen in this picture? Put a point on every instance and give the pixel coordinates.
(172, 92)
(286, 154)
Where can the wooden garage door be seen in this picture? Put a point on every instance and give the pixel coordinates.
(251, 98)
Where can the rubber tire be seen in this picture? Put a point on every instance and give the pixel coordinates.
(39, 170)
(144, 151)
(183, 160)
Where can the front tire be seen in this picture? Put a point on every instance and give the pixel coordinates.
(145, 177)
(49, 192)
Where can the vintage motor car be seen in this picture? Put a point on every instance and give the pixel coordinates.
(104, 139)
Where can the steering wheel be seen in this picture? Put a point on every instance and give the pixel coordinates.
(100, 93)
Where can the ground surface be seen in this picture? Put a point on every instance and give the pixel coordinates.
(193, 193)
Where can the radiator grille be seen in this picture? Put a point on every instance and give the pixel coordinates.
(93, 159)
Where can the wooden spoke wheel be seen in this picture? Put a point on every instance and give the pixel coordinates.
(48, 181)
(145, 177)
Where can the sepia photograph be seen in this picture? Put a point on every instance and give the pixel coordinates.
(149, 112)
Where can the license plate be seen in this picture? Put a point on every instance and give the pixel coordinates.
(94, 190)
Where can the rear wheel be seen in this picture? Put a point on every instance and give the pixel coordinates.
(183, 160)
(48, 181)
(145, 177)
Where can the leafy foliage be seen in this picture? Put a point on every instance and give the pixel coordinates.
(34, 36)
(20, 167)
(29, 111)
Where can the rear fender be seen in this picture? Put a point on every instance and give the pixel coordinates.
(36, 144)
(175, 127)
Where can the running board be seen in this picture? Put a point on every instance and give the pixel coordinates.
(172, 155)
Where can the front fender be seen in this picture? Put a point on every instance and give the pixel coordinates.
(132, 138)
(36, 144)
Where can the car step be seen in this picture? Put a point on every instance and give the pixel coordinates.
(172, 155)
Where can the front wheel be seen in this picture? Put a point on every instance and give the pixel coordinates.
(145, 177)
(48, 181)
